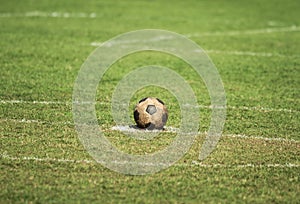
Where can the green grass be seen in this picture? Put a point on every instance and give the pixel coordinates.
(42, 159)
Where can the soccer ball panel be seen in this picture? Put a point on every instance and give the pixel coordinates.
(151, 109)
(150, 113)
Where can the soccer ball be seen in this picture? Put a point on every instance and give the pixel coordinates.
(150, 113)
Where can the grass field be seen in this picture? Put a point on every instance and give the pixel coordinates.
(255, 46)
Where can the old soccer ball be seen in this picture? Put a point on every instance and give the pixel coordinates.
(150, 113)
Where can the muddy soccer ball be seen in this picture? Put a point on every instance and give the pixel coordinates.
(150, 113)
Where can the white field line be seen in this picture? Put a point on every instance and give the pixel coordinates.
(177, 130)
(225, 33)
(292, 28)
(193, 163)
(46, 159)
(168, 129)
(35, 121)
(228, 33)
(232, 52)
(258, 108)
(262, 109)
(49, 14)
(243, 53)
(279, 139)
(32, 102)
(57, 14)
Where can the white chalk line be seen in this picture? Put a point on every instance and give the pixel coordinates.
(193, 163)
(247, 53)
(263, 109)
(261, 138)
(259, 108)
(292, 28)
(57, 14)
(230, 52)
(46, 159)
(168, 129)
(32, 102)
(23, 120)
(225, 33)
(54, 14)
(177, 130)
